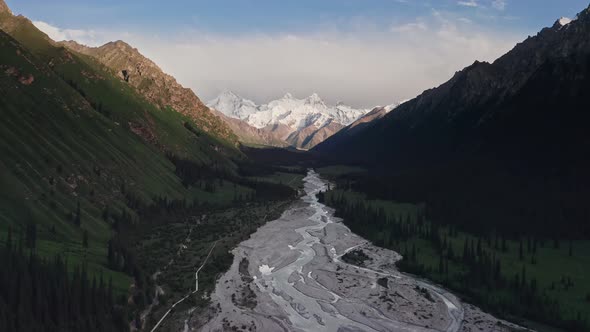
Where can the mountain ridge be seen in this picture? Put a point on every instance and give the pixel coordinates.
(309, 120)
(514, 127)
(151, 81)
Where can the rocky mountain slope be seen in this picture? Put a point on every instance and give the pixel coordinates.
(156, 86)
(516, 127)
(302, 123)
(4, 8)
(251, 135)
(364, 122)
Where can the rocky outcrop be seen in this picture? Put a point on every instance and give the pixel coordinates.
(310, 136)
(4, 8)
(251, 135)
(156, 86)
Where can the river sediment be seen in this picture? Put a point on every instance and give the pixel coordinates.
(289, 276)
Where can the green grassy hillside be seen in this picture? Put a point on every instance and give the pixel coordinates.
(75, 135)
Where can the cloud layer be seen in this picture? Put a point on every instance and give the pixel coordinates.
(368, 66)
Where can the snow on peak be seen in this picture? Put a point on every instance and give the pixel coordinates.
(290, 111)
(233, 105)
(314, 99)
(391, 107)
(564, 21)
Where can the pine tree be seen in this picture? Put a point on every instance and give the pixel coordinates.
(479, 248)
(31, 235)
(78, 217)
(85, 239)
(9, 238)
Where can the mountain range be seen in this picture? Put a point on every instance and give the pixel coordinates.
(506, 136)
(302, 123)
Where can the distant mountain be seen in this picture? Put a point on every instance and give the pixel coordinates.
(517, 128)
(302, 123)
(252, 135)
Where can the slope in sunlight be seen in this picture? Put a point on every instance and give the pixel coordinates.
(302, 123)
(79, 146)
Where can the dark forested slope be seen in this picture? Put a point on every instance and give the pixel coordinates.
(498, 143)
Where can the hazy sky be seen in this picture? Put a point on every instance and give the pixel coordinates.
(361, 52)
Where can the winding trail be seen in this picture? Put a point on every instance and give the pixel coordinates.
(294, 268)
(190, 293)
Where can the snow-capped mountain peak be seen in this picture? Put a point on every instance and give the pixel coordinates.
(290, 111)
(298, 122)
(233, 105)
(314, 99)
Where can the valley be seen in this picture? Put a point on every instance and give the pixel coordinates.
(462, 209)
(293, 274)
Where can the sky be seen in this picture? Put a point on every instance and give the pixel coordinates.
(360, 52)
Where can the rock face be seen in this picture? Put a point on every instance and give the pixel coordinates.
(4, 8)
(252, 135)
(302, 123)
(155, 85)
(311, 136)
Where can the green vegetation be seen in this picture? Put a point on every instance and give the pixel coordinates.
(293, 180)
(158, 249)
(86, 160)
(532, 277)
(63, 299)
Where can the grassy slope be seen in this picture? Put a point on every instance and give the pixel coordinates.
(58, 151)
(551, 264)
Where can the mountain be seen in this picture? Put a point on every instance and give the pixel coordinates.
(252, 135)
(156, 86)
(4, 8)
(364, 122)
(509, 137)
(302, 123)
(84, 151)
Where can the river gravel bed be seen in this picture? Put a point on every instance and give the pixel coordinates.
(289, 276)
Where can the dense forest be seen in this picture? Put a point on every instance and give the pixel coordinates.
(49, 295)
(497, 270)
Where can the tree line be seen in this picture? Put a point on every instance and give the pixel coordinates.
(48, 295)
(474, 270)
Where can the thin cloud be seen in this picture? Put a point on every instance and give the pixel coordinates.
(499, 4)
(364, 68)
(88, 37)
(470, 3)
